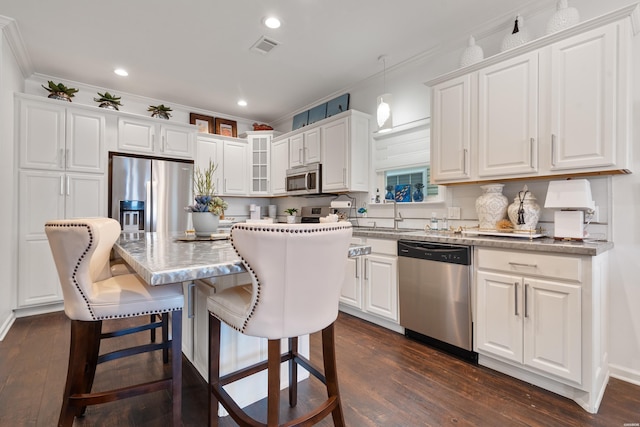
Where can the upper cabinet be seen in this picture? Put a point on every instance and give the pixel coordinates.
(231, 155)
(557, 105)
(154, 137)
(260, 167)
(341, 143)
(56, 136)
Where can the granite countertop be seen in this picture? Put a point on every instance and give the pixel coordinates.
(542, 244)
(161, 259)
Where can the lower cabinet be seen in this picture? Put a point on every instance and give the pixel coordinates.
(542, 318)
(370, 287)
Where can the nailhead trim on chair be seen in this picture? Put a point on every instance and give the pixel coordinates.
(84, 297)
(253, 227)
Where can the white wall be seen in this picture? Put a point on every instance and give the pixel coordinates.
(10, 81)
(618, 196)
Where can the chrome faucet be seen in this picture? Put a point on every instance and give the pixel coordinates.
(397, 216)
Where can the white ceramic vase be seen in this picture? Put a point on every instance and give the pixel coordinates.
(530, 211)
(491, 206)
(205, 223)
(564, 17)
(472, 54)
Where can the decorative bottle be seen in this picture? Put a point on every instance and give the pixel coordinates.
(491, 206)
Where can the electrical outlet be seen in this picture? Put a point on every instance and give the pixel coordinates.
(453, 213)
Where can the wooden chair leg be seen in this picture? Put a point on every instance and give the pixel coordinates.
(331, 372)
(165, 336)
(273, 379)
(293, 373)
(83, 358)
(176, 364)
(152, 318)
(214, 367)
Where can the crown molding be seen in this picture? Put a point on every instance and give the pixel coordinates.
(9, 27)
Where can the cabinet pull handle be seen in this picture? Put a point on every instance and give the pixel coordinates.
(68, 185)
(553, 150)
(300, 155)
(163, 143)
(191, 313)
(526, 300)
(153, 142)
(225, 185)
(61, 158)
(61, 185)
(519, 264)
(66, 158)
(357, 275)
(531, 144)
(344, 176)
(464, 161)
(366, 270)
(516, 298)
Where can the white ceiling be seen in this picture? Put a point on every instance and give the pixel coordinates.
(196, 52)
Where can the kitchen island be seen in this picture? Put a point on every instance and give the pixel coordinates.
(202, 266)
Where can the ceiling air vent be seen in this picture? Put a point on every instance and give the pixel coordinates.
(264, 45)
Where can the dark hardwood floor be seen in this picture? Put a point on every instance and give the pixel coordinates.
(385, 379)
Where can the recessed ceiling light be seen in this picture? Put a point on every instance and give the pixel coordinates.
(272, 22)
(242, 103)
(121, 72)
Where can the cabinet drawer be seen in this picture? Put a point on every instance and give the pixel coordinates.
(383, 246)
(531, 264)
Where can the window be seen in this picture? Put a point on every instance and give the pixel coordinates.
(412, 177)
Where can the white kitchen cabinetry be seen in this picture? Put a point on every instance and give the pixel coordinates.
(557, 105)
(508, 117)
(259, 152)
(62, 158)
(542, 318)
(279, 166)
(231, 155)
(149, 136)
(451, 130)
(370, 288)
(345, 153)
(304, 148)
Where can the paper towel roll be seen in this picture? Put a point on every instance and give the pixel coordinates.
(341, 204)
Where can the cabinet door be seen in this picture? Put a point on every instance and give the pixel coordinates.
(296, 150)
(209, 149)
(351, 293)
(42, 136)
(312, 146)
(260, 174)
(381, 286)
(236, 162)
(499, 315)
(508, 117)
(85, 150)
(451, 130)
(279, 165)
(41, 199)
(201, 328)
(552, 328)
(335, 155)
(85, 195)
(584, 89)
(177, 141)
(136, 135)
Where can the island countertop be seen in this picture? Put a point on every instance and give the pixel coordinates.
(161, 259)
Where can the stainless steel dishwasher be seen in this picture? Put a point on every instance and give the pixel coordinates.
(435, 295)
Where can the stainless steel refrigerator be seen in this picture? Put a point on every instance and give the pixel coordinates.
(150, 194)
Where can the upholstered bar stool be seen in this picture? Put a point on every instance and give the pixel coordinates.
(81, 249)
(297, 272)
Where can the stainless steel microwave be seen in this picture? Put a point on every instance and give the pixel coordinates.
(304, 180)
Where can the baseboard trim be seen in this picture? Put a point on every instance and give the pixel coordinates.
(6, 325)
(625, 374)
(38, 309)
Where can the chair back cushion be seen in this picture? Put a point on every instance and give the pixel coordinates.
(297, 273)
(81, 250)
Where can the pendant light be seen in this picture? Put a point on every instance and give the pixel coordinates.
(383, 110)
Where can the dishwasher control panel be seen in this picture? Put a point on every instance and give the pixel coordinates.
(442, 252)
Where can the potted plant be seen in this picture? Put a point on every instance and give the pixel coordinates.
(60, 91)
(209, 208)
(108, 101)
(291, 215)
(160, 111)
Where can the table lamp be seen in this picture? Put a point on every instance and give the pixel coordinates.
(573, 198)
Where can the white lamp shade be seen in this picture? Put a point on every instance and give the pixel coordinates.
(569, 194)
(383, 112)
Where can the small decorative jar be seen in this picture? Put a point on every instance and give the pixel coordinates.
(472, 54)
(564, 17)
(524, 212)
(491, 206)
